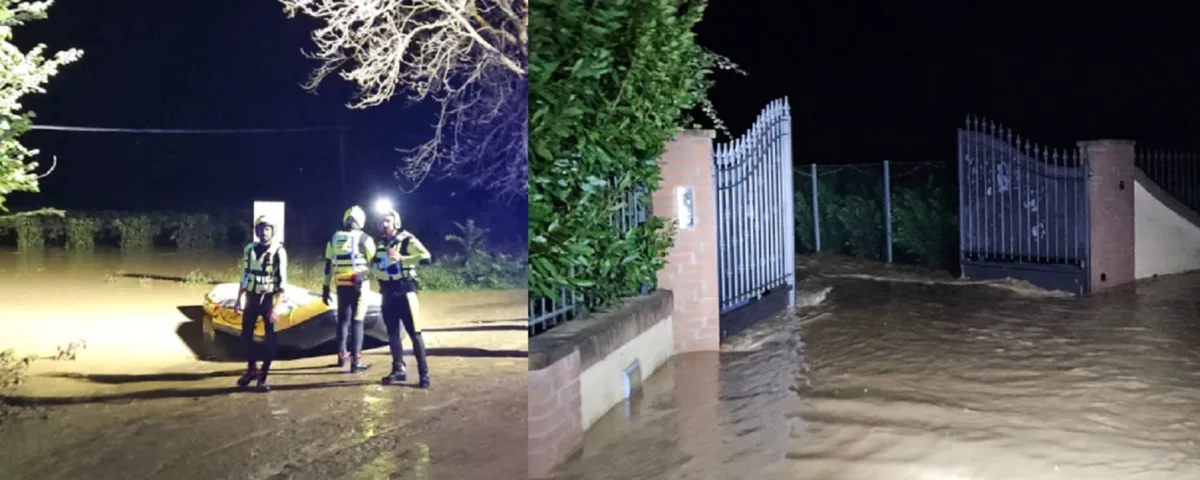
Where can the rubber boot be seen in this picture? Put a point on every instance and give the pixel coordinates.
(341, 361)
(422, 363)
(262, 382)
(251, 374)
(397, 376)
(357, 365)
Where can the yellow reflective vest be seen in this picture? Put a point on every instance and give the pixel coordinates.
(264, 272)
(349, 252)
(387, 270)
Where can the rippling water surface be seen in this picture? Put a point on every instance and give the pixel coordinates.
(900, 381)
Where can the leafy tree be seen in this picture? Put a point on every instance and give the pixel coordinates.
(467, 56)
(22, 73)
(610, 83)
(471, 238)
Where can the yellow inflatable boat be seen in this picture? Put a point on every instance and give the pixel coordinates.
(303, 322)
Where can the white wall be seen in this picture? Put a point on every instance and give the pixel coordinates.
(602, 385)
(1167, 235)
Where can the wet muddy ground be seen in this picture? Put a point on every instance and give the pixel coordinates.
(899, 375)
(136, 403)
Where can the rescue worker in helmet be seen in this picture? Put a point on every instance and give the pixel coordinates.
(347, 257)
(394, 266)
(264, 273)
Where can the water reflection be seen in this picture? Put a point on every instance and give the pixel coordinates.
(910, 381)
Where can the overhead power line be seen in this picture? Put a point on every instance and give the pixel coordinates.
(185, 131)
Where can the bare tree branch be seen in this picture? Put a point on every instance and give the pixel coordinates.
(468, 56)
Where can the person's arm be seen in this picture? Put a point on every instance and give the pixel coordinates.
(281, 277)
(369, 250)
(328, 263)
(245, 282)
(416, 253)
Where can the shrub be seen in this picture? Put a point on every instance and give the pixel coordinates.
(81, 233)
(197, 232)
(31, 233)
(136, 232)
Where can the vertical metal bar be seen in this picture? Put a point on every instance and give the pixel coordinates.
(816, 209)
(743, 242)
(789, 224)
(1043, 177)
(1027, 161)
(722, 243)
(887, 210)
(1003, 228)
(1052, 211)
(964, 214)
(755, 184)
(774, 227)
(989, 185)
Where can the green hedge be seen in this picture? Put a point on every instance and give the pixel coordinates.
(610, 84)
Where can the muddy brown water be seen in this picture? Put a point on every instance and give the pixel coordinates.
(137, 403)
(903, 380)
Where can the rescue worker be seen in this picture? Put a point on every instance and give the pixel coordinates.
(394, 266)
(264, 273)
(347, 257)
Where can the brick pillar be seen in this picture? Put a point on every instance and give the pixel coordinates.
(555, 415)
(691, 269)
(1110, 195)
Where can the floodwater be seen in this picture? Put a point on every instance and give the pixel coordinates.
(903, 380)
(137, 403)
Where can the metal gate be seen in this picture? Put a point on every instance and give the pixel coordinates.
(1023, 209)
(755, 226)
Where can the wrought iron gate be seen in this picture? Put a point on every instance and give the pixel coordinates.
(1023, 209)
(755, 226)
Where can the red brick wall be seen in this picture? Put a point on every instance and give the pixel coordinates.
(555, 415)
(1110, 192)
(691, 270)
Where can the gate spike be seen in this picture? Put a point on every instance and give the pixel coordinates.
(1054, 158)
(1018, 146)
(1010, 137)
(991, 128)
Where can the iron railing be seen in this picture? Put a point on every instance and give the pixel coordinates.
(545, 313)
(1176, 172)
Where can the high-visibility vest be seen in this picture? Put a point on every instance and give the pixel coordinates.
(350, 261)
(387, 270)
(260, 271)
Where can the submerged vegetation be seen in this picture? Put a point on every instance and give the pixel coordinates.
(466, 264)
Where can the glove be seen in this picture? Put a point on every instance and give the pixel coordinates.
(325, 295)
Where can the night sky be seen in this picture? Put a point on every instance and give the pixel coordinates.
(868, 84)
(220, 64)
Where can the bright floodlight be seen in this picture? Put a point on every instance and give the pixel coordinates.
(383, 205)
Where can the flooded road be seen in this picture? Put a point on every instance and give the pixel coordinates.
(895, 381)
(136, 402)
